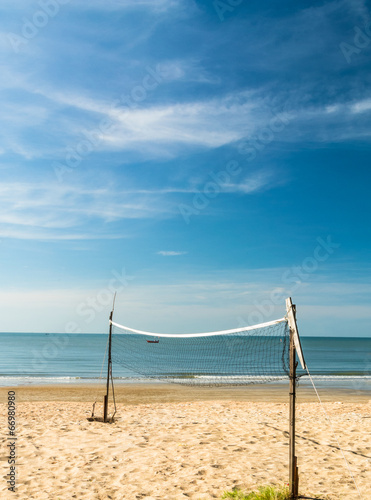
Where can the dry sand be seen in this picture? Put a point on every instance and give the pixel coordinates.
(171, 442)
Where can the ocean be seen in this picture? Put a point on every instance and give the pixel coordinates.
(35, 358)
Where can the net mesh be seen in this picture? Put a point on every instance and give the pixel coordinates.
(239, 357)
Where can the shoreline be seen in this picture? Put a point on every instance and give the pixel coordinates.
(147, 393)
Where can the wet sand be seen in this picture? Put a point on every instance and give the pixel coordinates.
(172, 393)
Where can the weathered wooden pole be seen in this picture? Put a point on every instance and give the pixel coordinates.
(295, 349)
(293, 476)
(109, 372)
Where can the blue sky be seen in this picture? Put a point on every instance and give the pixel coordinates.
(206, 159)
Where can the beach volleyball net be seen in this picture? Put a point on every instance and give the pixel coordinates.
(247, 355)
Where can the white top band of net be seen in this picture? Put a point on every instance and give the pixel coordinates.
(207, 334)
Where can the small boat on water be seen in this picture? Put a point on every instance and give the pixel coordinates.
(156, 341)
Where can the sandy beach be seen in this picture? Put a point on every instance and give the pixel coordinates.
(171, 442)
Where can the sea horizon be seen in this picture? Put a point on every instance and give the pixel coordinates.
(31, 358)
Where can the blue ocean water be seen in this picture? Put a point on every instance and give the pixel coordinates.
(30, 358)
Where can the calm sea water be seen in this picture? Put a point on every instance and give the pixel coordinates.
(29, 358)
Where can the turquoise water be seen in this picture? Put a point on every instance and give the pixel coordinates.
(29, 358)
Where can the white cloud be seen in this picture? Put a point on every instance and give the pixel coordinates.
(158, 5)
(50, 235)
(252, 184)
(163, 130)
(45, 211)
(211, 123)
(137, 127)
(361, 106)
(334, 108)
(101, 4)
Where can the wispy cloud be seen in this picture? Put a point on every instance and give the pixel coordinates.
(209, 123)
(106, 5)
(361, 106)
(166, 130)
(170, 253)
(253, 183)
(43, 211)
(33, 234)
(51, 211)
(158, 5)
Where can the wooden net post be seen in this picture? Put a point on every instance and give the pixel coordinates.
(292, 457)
(295, 349)
(109, 372)
(105, 411)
